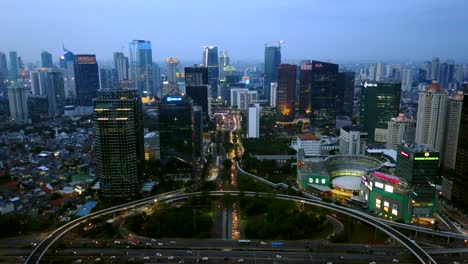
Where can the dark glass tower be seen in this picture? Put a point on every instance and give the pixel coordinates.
(460, 181)
(286, 93)
(345, 94)
(118, 121)
(109, 78)
(46, 59)
(86, 78)
(14, 65)
(177, 130)
(196, 87)
(317, 99)
(380, 102)
(3, 68)
(210, 60)
(419, 166)
(272, 61)
(141, 67)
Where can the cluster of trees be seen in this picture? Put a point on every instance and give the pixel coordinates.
(268, 146)
(192, 219)
(268, 169)
(269, 218)
(21, 224)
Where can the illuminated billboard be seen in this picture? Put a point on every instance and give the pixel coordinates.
(86, 59)
(173, 99)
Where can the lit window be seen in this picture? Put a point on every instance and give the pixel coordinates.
(377, 203)
(316, 180)
(394, 209)
(323, 181)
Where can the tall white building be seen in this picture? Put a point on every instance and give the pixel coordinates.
(406, 79)
(452, 128)
(243, 97)
(172, 65)
(400, 129)
(310, 143)
(253, 120)
(121, 64)
(273, 89)
(18, 103)
(352, 141)
(379, 72)
(430, 124)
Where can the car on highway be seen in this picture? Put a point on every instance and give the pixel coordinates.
(395, 260)
(170, 257)
(181, 261)
(146, 257)
(204, 258)
(157, 254)
(278, 256)
(240, 260)
(160, 244)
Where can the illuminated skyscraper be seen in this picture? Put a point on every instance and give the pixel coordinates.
(272, 61)
(87, 79)
(210, 60)
(118, 121)
(67, 63)
(286, 93)
(317, 99)
(223, 63)
(49, 82)
(46, 59)
(380, 102)
(430, 124)
(196, 87)
(345, 94)
(141, 67)
(172, 65)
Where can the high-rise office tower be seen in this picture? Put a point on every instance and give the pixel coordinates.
(14, 65)
(406, 79)
(141, 67)
(121, 64)
(460, 181)
(457, 75)
(419, 166)
(196, 87)
(18, 103)
(450, 71)
(118, 120)
(443, 75)
(3, 66)
(425, 72)
(108, 78)
(318, 83)
(379, 71)
(272, 61)
(46, 59)
(157, 83)
(177, 129)
(452, 128)
(401, 129)
(430, 124)
(273, 93)
(49, 82)
(380, 101)
(172, 65)
(67, 63)
(345, 94)
(435, 69)
(210, 60)
(253, 118)
(87, 79)
(223, 63)
(372, 73)
(286, 93)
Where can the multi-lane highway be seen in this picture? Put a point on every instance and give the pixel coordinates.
(415, 249)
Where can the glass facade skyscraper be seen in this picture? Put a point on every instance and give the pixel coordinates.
(118, 121)
(67, 63)
(345, 94)
(380, 102)
(272, 61)
(210, 60)
(460, 181)
(121, 64)
(318, 84)
(196, 87)
(141, 67)
(14, 65)
(46, 59)
(286, 93)
(3, 66)
(87, 79)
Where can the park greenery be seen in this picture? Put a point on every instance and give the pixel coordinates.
(21, 224)
(192, 219)
(270, 218)
(268, 146)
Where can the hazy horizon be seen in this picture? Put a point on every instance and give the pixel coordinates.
(336, 30)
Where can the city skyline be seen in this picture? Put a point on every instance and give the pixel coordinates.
(357, 30)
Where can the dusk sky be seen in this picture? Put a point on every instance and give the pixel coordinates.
(312, 29)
